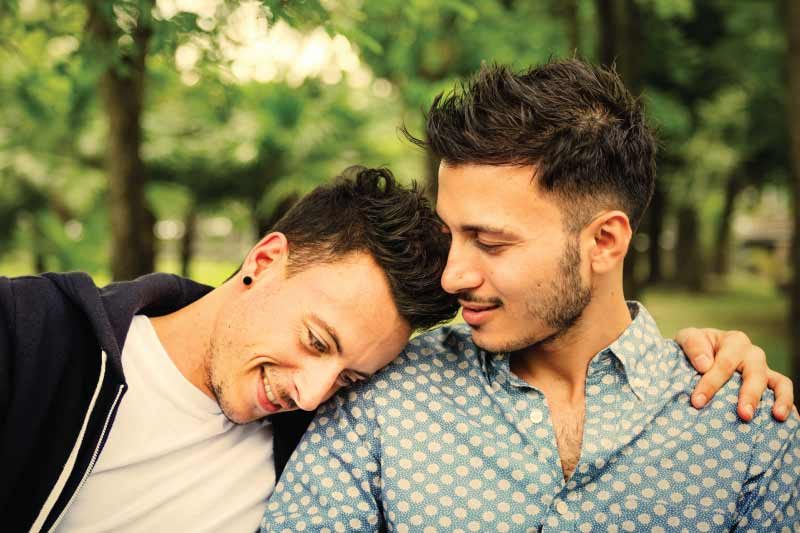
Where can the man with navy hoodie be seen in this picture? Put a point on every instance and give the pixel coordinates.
(161, 404)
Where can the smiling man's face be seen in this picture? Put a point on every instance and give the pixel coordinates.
(292, 342)
(512, 263)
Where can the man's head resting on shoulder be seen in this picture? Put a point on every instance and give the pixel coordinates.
(327, 298)
(544, 176)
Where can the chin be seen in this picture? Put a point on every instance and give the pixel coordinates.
(499, 343)
(235, 414)
(488, 342)
(238, 418)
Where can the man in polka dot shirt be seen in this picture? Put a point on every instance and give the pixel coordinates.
(558, 406)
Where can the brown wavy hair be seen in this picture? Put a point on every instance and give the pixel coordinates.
(585, 134)
(367, 210)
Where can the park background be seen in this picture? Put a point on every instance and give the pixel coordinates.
(141, 135)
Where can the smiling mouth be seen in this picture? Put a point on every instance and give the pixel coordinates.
(273, 396)
(477, 308)
(476, 315)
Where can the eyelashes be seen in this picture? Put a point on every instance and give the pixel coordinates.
(315, 343)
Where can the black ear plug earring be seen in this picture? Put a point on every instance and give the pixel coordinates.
(247, 280)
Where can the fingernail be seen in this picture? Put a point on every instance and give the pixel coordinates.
(780, 411)
(700, 400)
(703, 362)
(748, 411)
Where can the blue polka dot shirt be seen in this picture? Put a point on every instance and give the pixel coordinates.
(447, 438)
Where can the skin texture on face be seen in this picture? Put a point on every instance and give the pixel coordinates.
(516, 269)
(291, 342)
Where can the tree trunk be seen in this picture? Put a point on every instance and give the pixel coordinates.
(621, 39)
(568, 11)
(122, 91)
(721, 263)
(620, 42)
(793, 120)
(689, 258)
(187, 241)
(655, 228)
(39, 245)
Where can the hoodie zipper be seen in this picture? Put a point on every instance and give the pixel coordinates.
(69, 466)
(95, 455)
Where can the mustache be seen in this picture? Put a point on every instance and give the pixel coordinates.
(279, 388)
(468, 297)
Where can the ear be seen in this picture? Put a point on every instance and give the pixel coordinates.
(610, 235)
(266, 257)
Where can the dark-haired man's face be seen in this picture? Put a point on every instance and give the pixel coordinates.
(284, 343)
(517, 271)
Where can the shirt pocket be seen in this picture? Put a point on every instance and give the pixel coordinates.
(638, 513)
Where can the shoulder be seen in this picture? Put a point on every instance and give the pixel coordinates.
(42, 301)
(677, 378)
(449, 346)
(438, 363)
(440, 354)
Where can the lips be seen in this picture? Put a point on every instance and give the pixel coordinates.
(476, 314)
(266, 398)
(275, 399)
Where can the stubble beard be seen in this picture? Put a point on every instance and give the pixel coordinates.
(216, 383)
(559, 306)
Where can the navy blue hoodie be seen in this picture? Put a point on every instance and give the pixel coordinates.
(61, 382)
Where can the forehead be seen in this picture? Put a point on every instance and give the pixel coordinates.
(352, 295)
(498, 197)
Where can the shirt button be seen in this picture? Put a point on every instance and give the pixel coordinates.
(536, 416)
(562, 508)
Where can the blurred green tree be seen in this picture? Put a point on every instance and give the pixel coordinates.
(792, 11)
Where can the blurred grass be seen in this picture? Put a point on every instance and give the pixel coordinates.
(745, 303)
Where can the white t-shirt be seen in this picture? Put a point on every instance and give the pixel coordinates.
(172, 461)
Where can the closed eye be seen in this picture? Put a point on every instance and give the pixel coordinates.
(489, 247)
(316, 344)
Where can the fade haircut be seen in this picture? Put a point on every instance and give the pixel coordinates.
(577, 123)
(367, 210)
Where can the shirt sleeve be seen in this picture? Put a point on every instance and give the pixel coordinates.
(770, 499)
(332, 481)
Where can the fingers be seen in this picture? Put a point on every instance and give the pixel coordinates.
(699, 346)
(784, 394)
(735, 352)
(711, 382)
(754, 383)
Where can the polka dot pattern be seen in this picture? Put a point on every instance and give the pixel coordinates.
(446, 438)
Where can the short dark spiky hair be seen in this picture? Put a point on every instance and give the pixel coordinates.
(577, 123)
(366, 210)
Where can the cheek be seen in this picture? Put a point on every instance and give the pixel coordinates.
(518, 277)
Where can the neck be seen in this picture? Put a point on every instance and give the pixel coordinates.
(558, 366)
(186, 337)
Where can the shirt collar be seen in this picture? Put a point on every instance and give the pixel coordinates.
(640, 342)
(637, 349)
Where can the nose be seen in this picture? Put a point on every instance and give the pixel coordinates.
(461, 273)
(314, 383)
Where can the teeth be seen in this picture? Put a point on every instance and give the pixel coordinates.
(268, 389)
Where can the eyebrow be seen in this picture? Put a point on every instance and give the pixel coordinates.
(328, 329)
(483, 228)
(480, 228)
